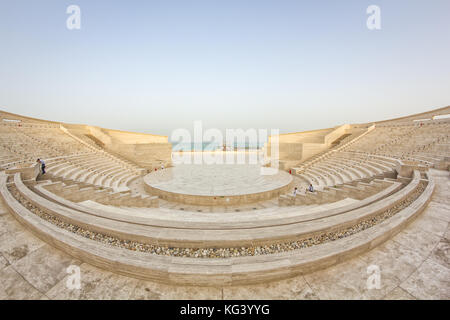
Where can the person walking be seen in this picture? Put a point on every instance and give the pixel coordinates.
(42, 165)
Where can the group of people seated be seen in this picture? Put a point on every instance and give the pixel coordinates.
(309, 189)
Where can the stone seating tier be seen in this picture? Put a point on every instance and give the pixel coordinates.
(225, 271)
(210, 238)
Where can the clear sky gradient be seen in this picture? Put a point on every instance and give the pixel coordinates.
(154, 66)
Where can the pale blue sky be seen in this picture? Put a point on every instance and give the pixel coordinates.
(154, 66)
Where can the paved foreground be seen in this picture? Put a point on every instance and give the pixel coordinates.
(415, 264)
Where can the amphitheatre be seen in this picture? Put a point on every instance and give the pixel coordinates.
(140, 226)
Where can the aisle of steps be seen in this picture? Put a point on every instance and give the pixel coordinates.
(79, 192)
(357, 190)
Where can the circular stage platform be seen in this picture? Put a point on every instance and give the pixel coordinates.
(217, 184)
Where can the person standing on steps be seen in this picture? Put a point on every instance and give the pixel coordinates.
(42, 165)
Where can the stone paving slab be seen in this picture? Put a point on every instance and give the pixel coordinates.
(399, 294)
(439, 210)
(95, 284)
(44, 267)
(14, 286)
(417, 239)
(348, 281)
(290, 289)
(432, 225)
(15, 246)
(3, 262)
(10, 225)
(394, 260)
(145, 290)
(430, 281)
(441, 253)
